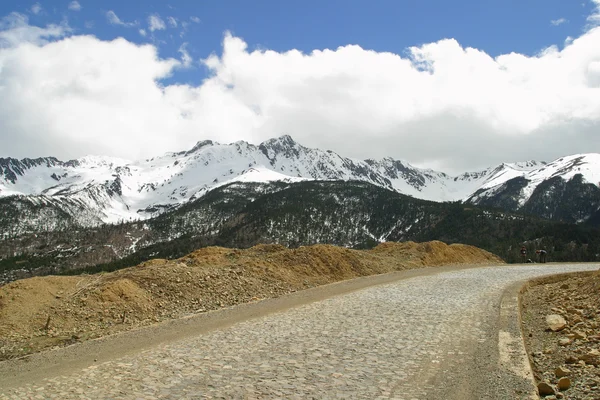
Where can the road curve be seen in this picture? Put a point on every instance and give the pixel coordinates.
(436, 336)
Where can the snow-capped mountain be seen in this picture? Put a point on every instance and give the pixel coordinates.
(532, 175)
(117, 189)
(97, 189)
(565, 189)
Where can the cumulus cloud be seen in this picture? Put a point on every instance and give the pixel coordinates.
(195, 19)
(74, 6)
(444, 103)
(439, 104)
(142, 32)
(83, 77)
(113, 19)
(559, 21)
(172, 21)
(155, 23)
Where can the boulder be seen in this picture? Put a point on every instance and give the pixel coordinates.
(555, 322)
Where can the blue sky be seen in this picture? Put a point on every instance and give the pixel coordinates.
(496, 27)
(468, 78)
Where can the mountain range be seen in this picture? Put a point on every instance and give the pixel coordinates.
(95, 190)
(101, 213)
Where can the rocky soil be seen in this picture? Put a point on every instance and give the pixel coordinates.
(561, 326)
(43, 312)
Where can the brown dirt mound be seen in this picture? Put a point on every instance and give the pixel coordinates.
(47, 311)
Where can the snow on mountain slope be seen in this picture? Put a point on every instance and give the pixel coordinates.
(174, 178)
(111, 189)
(565, 167)
(507, 171)
(264, 175)
(534, 173)
(426, 183)
(122, 190)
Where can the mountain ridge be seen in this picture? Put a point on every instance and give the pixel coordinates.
(109, 190)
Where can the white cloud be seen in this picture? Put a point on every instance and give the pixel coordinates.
(559, 21)
(186, 59)
(84, 77)
(195, 19)
(155, 23)
(36, 8)
(445, 105)
(172, 21)
(463, 97)
(113, 19)
(15, 30)
(74, 6)
(142, 32)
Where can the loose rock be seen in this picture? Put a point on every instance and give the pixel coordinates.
(561, 372)
(575, 347)
(564, 383)
(556, 322)
(591, 358)
(579, 335)
(564, 341)
(545, 389)
(571, 359)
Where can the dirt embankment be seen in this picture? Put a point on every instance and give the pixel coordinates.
(43, 312)
(561, 326)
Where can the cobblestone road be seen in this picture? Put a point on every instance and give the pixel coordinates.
(406, 340)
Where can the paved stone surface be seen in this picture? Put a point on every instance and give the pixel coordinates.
(413, 339)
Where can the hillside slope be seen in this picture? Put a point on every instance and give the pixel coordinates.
(351, 214)
(42, 312)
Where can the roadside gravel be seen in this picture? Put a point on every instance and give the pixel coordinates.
(565, 356)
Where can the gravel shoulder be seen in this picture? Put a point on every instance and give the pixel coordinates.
(564, 354)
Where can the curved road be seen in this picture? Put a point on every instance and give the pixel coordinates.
(447, 335)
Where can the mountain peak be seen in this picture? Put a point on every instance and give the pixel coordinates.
(283, 146)
(282, 141)
(199, 145)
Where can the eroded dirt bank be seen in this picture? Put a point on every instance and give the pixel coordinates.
(44, 312)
